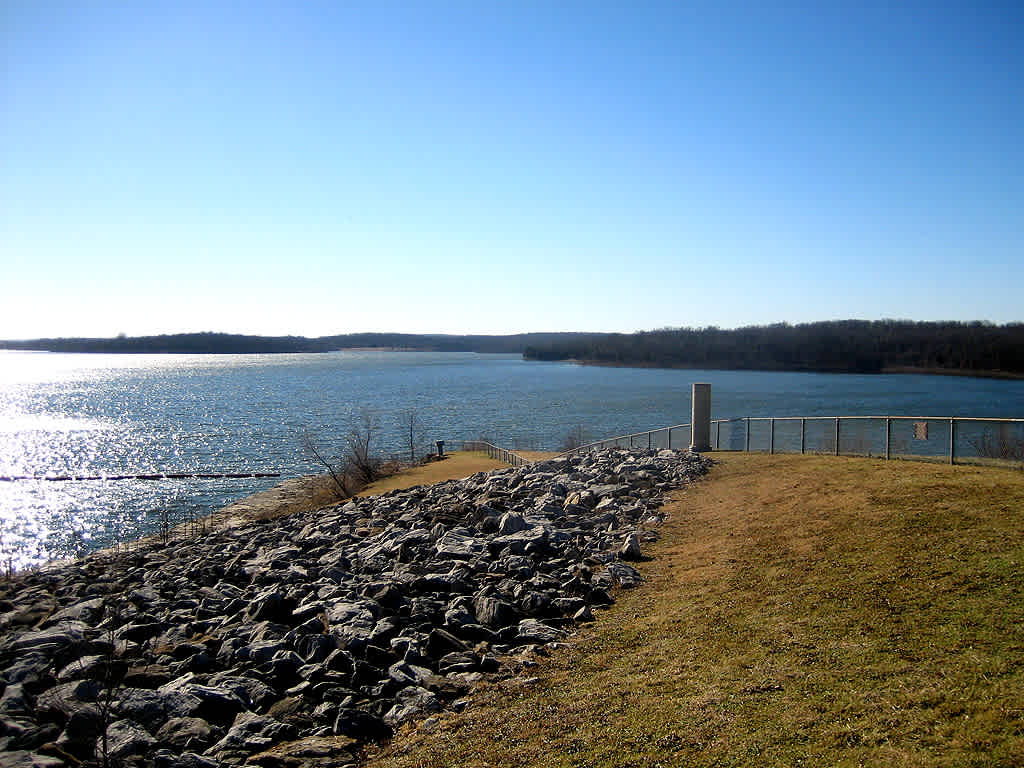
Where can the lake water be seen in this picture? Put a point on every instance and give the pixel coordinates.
(115, 415)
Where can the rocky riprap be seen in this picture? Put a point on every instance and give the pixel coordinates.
(295, 639)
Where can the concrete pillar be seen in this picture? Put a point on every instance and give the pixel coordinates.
(700, 418)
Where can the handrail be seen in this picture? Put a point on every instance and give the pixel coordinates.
(496, 452)
(885, 449)
(851, 418)
(599, 444)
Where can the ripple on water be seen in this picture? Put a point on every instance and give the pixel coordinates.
(137, 414)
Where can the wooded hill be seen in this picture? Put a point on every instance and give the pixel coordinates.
(847, 346)
(227, 343)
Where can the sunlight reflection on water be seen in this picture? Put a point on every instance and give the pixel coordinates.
(135, 414)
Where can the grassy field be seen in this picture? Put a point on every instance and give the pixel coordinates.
(812, 611)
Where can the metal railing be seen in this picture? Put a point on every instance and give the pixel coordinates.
(674, 437)
(952, 439)
(496, 453)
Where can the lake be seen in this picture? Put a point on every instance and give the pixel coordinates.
(63, 414)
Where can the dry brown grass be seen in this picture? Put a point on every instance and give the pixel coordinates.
(296, 495)
(813, 611)
(316, 491)
(458, 465)
(536, 455)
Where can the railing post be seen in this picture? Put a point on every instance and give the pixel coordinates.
(952, 440)
(670, 438)
(648, 441)
(888, 432)
(837, 435)
(718, 435)
(771, 436)
(700, 418)
(803, 436)
(746, 438)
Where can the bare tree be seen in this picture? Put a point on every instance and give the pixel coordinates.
(335, 469)
(364, 465)
(413, 427)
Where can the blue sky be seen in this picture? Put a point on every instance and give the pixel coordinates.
(468, 167)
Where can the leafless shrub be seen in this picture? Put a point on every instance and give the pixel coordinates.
(113, 670)
(359, 466)
(360, 459)
(335, 468)
(165, 526)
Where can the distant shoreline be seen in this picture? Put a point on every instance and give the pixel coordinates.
(981, 374)
(237, 344)
(975, 349)
(888, 370)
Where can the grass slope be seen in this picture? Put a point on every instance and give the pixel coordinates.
(799, 611)
(457, 465)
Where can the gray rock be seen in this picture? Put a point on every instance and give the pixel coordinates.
(583, 615)
(361, 725)
(440, 643)
(406, 674)
(459, 545)
(153, 708)
(87, 612)
(81, 731)
(630, 549)
(95, 667)
(15, 700)
(62, 701)
(50, 640)
(250, 733)
(146, 676)
(412, 701)
(124, 739)
(28, 668)
(492, 612)
(511, 522)
(270, 605)
(619, 573)
(533, 631)
(216, 705)
(324, 619)
(187, 733)
(254, 694)
(166, 759)
(22, 759)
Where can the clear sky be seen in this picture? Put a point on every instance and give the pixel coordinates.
(497, 167)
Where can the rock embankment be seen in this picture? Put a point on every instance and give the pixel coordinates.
(297, 638)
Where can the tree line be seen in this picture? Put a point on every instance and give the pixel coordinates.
(843, 346)
(229, 343)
